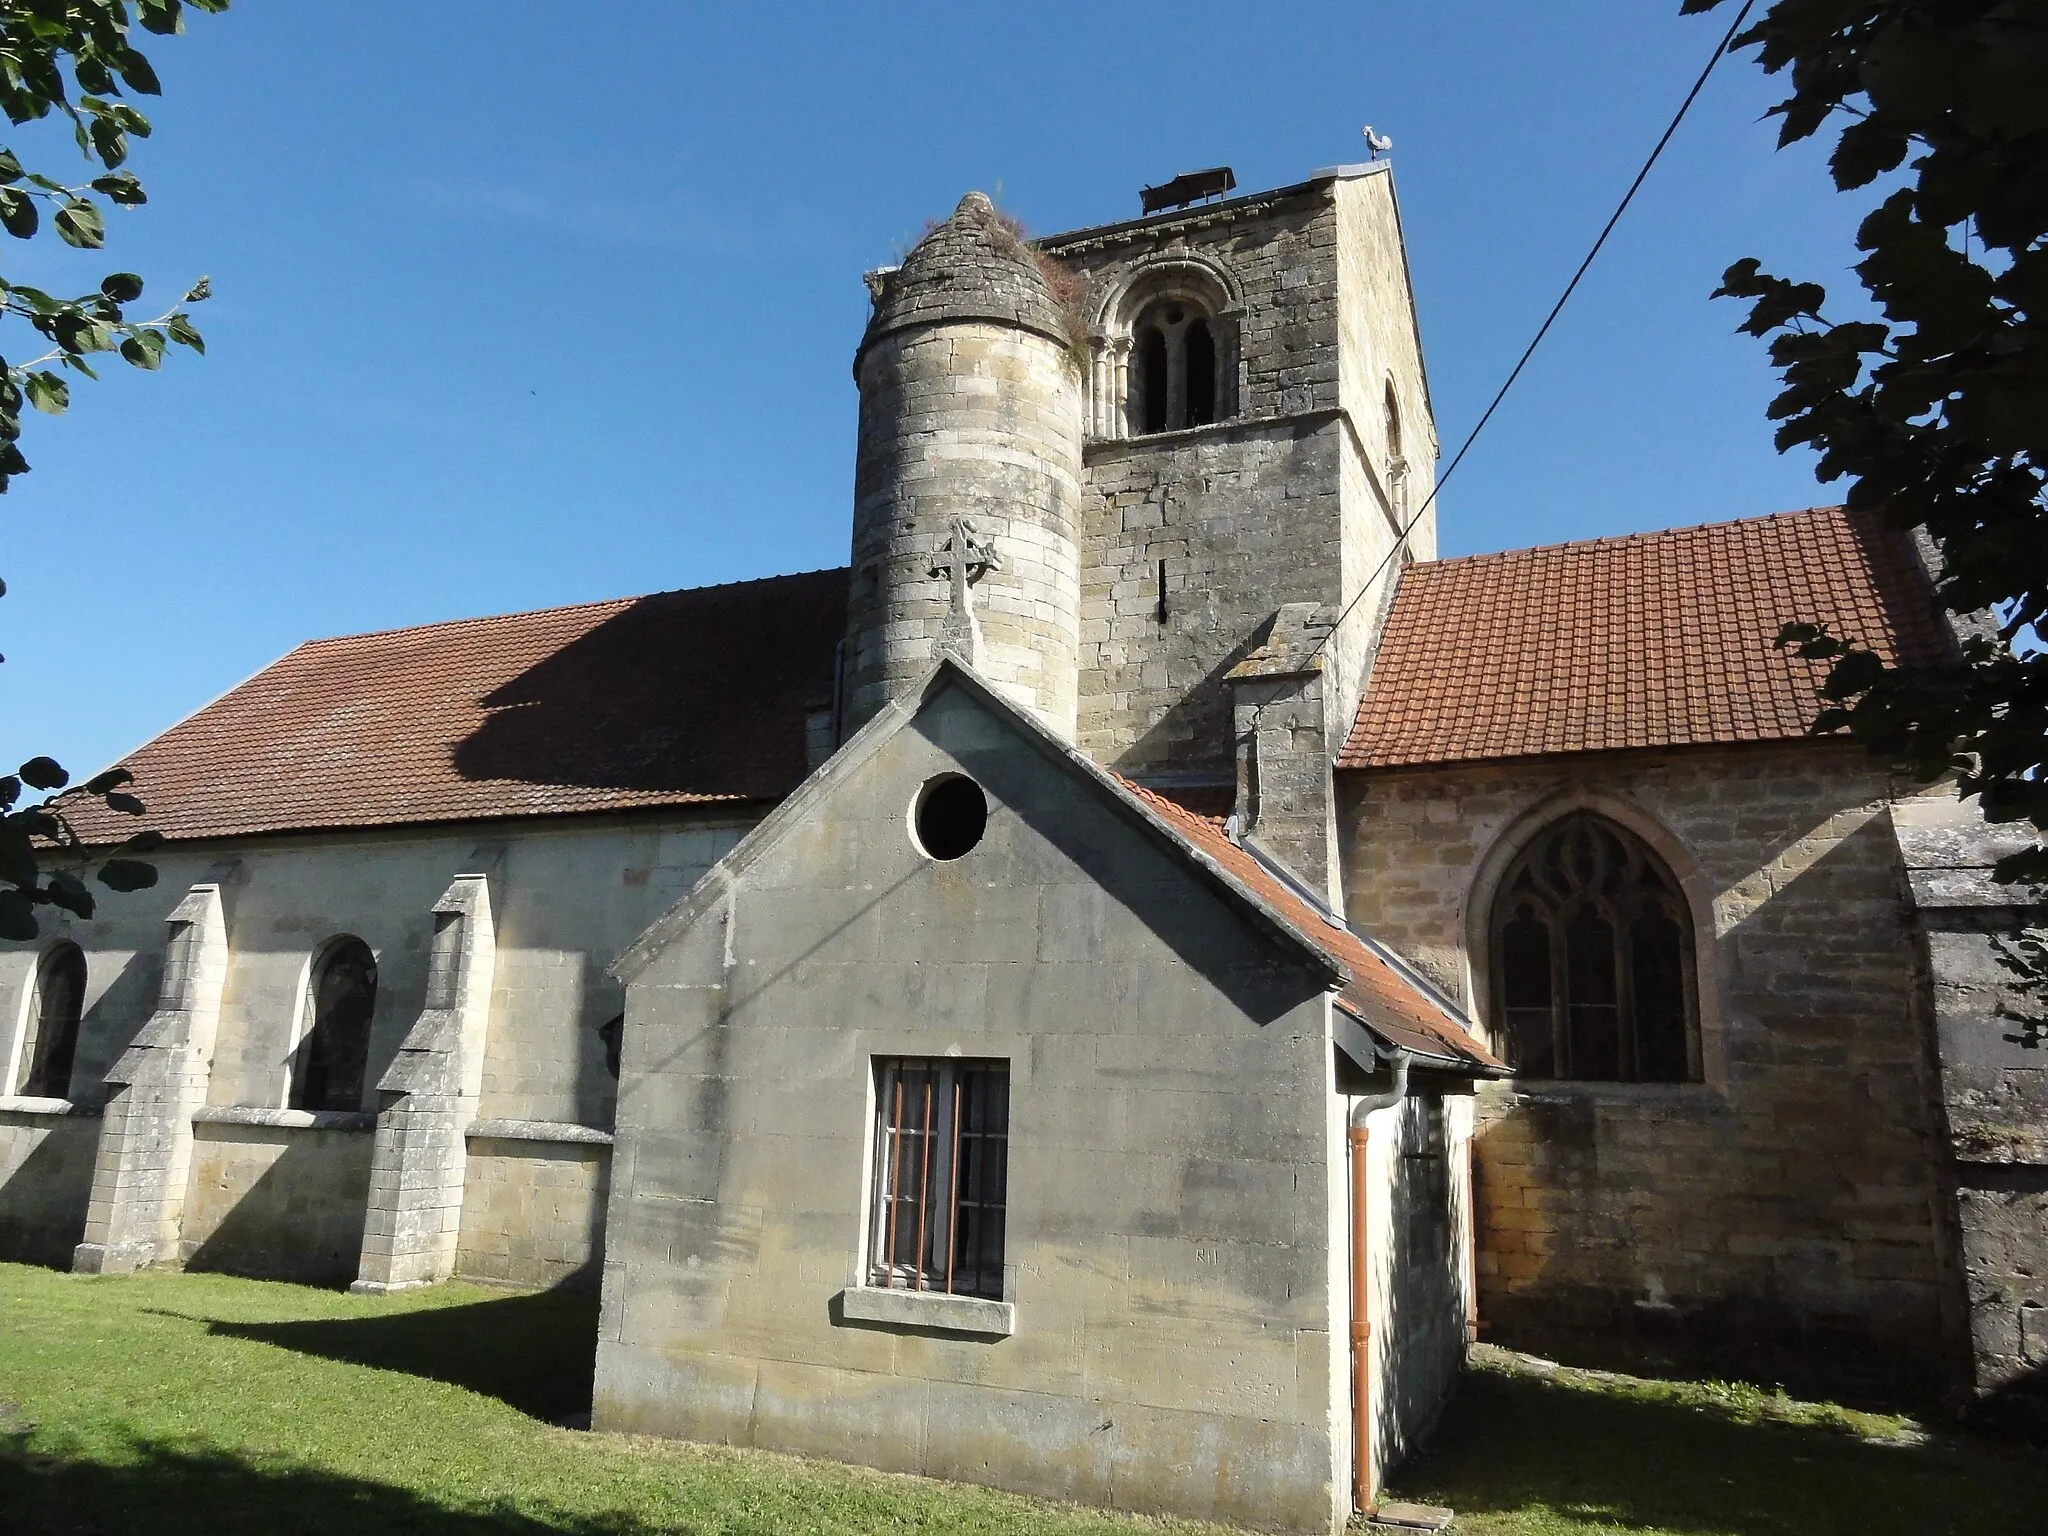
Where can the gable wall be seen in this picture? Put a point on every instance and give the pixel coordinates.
(1173, 1163)
(1786, 1212)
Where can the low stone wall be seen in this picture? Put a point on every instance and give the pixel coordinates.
(46, 1158)
(278, 1194)
(533, 1204)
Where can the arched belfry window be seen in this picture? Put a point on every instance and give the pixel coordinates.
(334, 1050)
(1592, 959)
(54, 1011)
(1176, 383)
(1166, 352)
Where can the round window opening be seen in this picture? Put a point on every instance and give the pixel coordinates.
(952, 814)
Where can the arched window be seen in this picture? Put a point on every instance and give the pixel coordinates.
(1175, 382)
(1592, 959)
(53, 1019)
(334, 1052)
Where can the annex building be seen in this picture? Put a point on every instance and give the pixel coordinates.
(1109, 992)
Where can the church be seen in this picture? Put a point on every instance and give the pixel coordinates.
(1108, 994)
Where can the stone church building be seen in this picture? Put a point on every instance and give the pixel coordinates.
(1107, 994)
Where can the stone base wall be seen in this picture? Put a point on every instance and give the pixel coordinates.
(1785, 1215)
(46, 1162)
(281, 1202)
(533, 1212)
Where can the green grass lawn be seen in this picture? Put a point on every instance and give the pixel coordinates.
(170, 1403)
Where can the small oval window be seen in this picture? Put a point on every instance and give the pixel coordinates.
(952, 814)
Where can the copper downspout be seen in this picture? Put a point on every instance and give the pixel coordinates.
(1361, 1286)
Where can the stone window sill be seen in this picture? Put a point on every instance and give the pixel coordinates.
(22, 1104)
(1621, 1093)
(287, 1119)
(562, 1131)
(929, 1309)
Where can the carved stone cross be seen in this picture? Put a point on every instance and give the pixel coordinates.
(965, 559)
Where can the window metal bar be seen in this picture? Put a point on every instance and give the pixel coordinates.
(924, 1188)
(895, 1184)
(953, 1195)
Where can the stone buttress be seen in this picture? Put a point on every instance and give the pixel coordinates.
(430, 1092)
(155, 1088)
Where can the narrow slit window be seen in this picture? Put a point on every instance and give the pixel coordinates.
(942, 1144)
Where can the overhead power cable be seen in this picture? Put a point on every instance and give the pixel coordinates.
(1401, 541)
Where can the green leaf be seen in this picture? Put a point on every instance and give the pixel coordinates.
(18, 214)
(126, 804)
(17, 917)
(200, 291)
(66, 890)
(10, 791)
(145, 349)
(43, 773)
(147, 841)
(127, 875)
(106, 779)
(121, 287)
(181, 331)
(120, 187)
(137, 74)
(18, 864)
(10, 168)
(48, 393)
(80, 224)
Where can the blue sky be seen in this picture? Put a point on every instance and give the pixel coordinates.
(523, 304)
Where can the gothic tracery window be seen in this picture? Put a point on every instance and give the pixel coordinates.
(1592, 959)
(334, 1053)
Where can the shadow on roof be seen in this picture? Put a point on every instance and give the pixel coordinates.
(696, 692)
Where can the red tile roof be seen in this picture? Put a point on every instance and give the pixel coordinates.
(1653, 640)
(1377, 994)
(680, 698)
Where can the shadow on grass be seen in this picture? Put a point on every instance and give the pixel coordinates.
(1525, 1446)
(534, 1351)
(170, 1492)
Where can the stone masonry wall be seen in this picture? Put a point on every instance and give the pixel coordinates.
(1993, 1042)
(1245, 515)
(568, 895)
(1791, 1200)
(282, 1202)
(46, 1165)
(533, 1212)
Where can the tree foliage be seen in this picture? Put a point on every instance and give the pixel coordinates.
(72, 61)
(1936, 412)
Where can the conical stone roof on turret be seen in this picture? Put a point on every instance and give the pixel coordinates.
(972, 267)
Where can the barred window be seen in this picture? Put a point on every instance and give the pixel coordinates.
(942, 1134)
(1593, 960)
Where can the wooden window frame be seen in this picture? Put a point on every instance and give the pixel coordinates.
(941, 1175)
